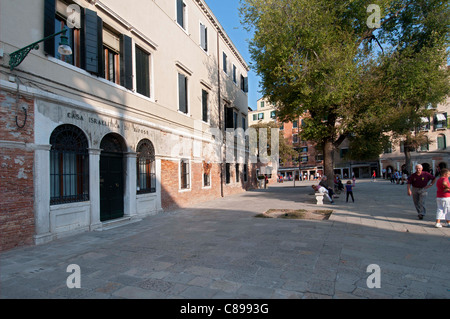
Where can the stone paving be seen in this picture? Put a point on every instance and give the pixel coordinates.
(219, 250)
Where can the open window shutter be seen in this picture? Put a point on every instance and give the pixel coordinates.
(126, 62)
(101, 52)
(203, 35)
(90, 42)
(49, 26)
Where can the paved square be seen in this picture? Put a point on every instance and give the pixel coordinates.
(218, 249)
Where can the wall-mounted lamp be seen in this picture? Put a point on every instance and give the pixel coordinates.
(18, 56)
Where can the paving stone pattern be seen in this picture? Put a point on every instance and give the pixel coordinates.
(218, 249)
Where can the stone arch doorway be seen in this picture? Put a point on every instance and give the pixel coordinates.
(426, 167)
(112, 177)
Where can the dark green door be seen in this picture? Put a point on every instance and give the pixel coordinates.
(111, 186)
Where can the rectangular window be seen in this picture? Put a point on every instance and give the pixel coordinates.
(206, 180)
(237, 173)
(142, 72)
(255, 117)
(245, 173)
(273, 114)
(205, 106)
(294, 138)
(111, 51)
(440, 121)
(244, 84)
(235, 120)
(262, 104)
(229, 117)
(182, 93)
(244, 122)
(260, 116)
(181, 13)
(234, 74)
(295, 124)
(204, 37)
(184, 174)
(224, 62)
(74, 37)
(227, 173)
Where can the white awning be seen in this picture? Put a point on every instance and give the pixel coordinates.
(441, 117)
(425, 119)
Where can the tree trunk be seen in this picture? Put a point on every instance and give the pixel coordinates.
(408, 167)
(328, 161)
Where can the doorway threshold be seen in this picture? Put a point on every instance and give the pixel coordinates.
(118, 222)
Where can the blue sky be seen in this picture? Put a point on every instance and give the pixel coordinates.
(227, 12)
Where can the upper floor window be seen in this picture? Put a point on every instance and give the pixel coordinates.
(74, 35)
(440, 121)
(244, 83)
(111, 51)
(234, 74)
(142, 72)
(181, 13)
(204, 37)
(224, 62)
(182, 93)
(205, 110)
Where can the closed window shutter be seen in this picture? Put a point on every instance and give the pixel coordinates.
(90, 47)
(126, 62)
(182, 93)
(142, 72)
(49, 26)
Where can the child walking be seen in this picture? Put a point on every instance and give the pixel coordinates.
(443, 198)
(349, 190)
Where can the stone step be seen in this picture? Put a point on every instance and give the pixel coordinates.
(114, 223)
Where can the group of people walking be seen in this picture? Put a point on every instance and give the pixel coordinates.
(417, 185)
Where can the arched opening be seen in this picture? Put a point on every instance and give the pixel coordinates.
(426, 167)
(146, 177)
(69, 165)
(111, 177)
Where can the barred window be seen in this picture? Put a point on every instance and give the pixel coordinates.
(184, 174)
(69, 165)
(146, 178)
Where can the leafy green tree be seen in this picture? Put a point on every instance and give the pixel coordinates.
(321, 56)
(286, 151)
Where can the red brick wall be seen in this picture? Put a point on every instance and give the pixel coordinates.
(16, 173)
(172, 197)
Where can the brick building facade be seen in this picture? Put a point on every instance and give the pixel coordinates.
(130, 125)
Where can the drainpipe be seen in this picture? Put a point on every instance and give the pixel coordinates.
(221, 126)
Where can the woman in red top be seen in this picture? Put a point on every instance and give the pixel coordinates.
(443, 198)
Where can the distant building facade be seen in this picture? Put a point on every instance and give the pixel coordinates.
(433, 155)
(309, 159)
